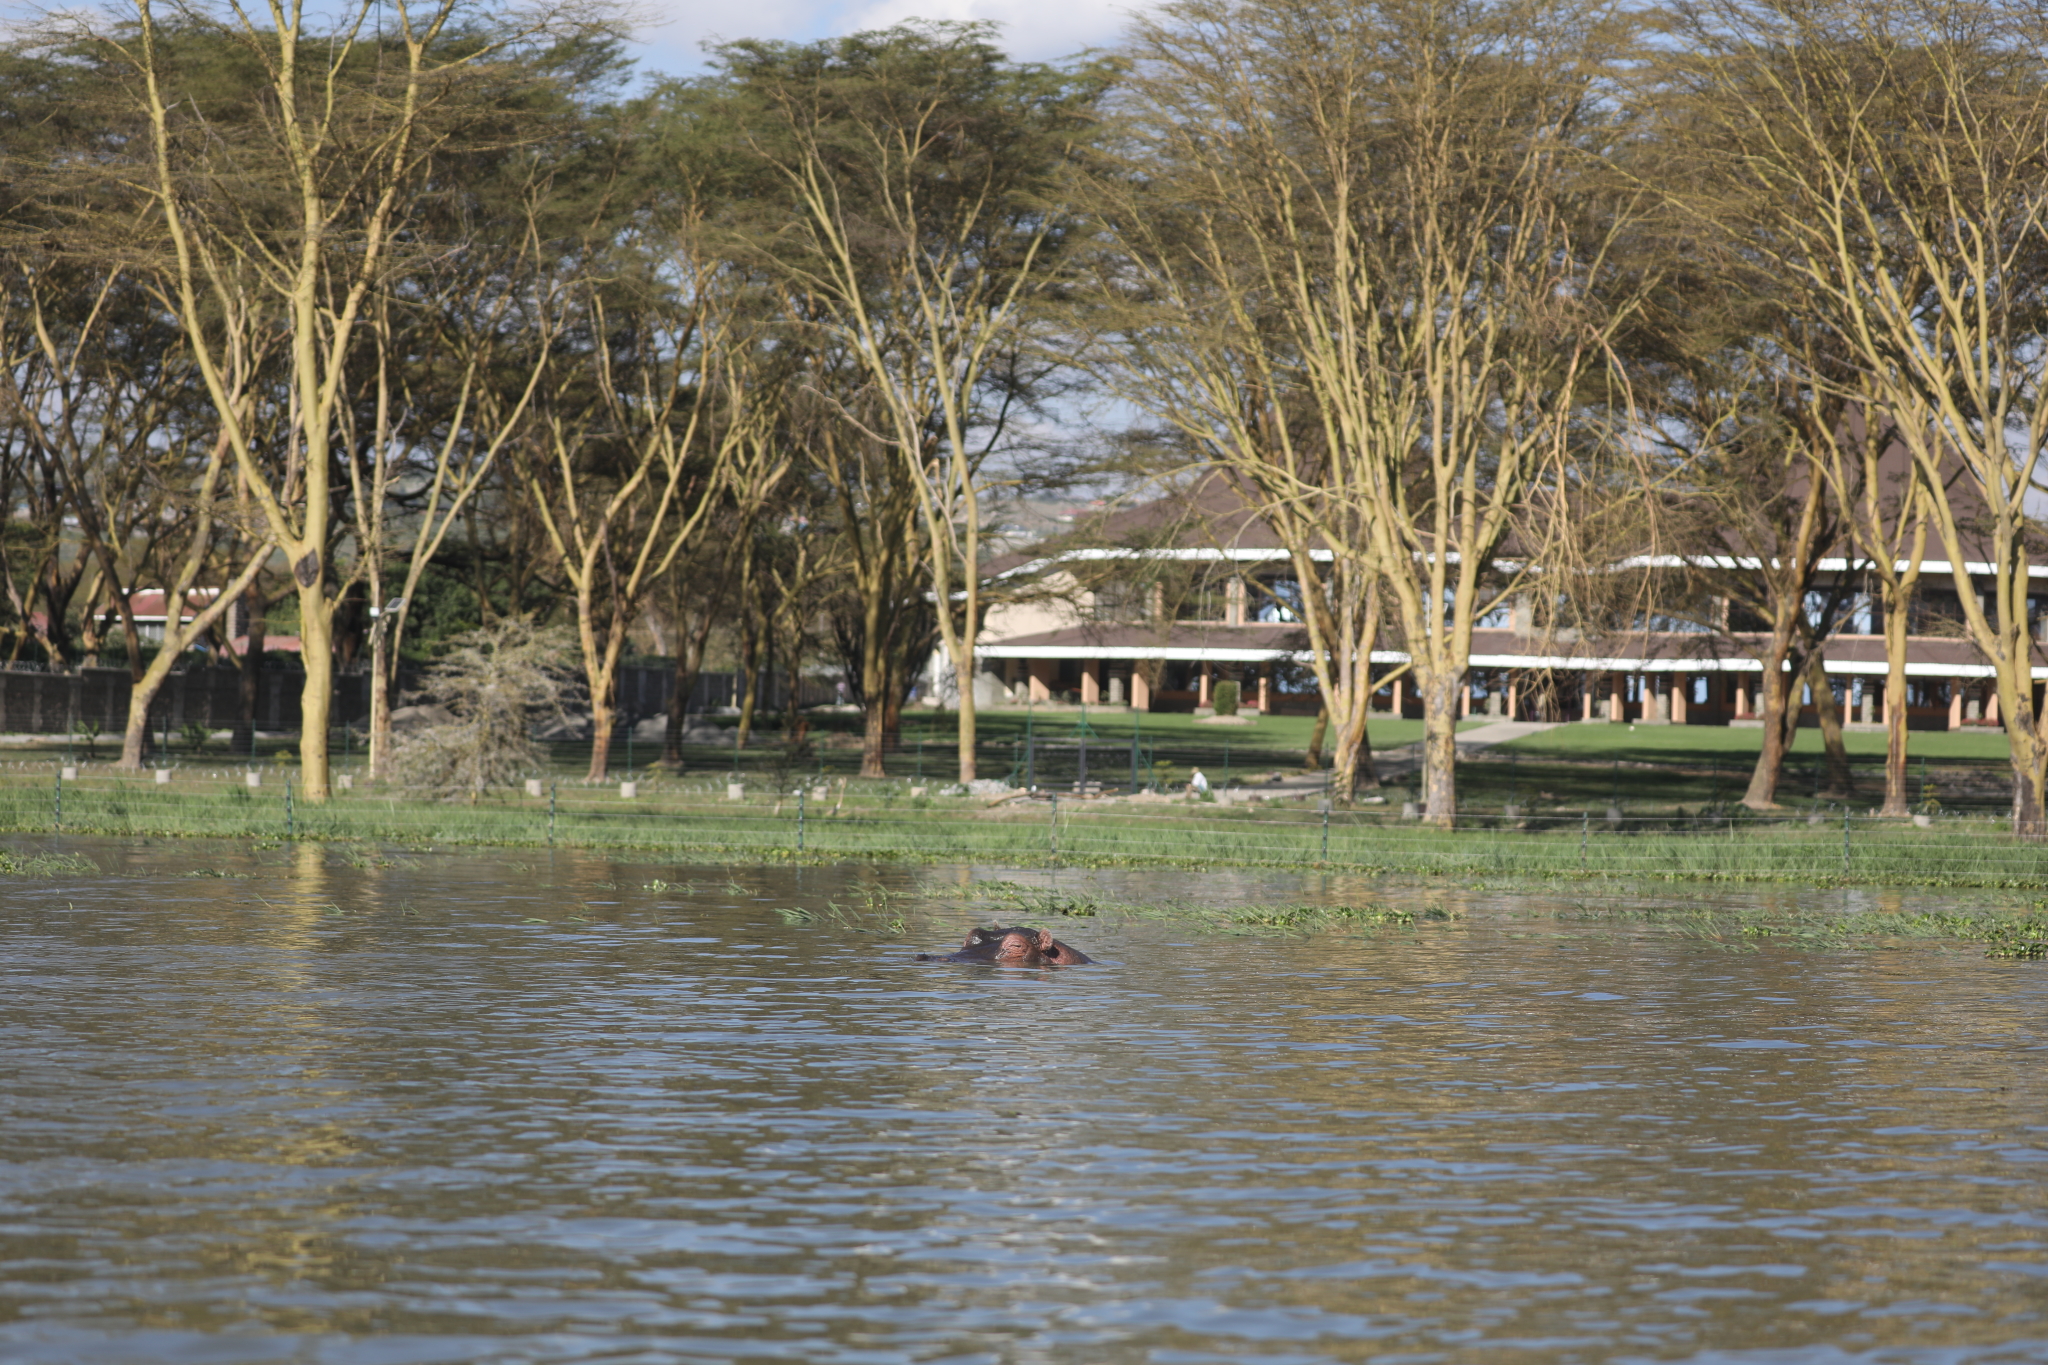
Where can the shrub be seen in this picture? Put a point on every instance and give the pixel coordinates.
(497, 683)
(1225, 695)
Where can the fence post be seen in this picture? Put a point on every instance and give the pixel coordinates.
(58, 816)
(552, 784)
(1135, 722)
(1585, 823)
(1053, 829)
(1845, 838)
(290, 831)
(1326, 827)
(801, 792)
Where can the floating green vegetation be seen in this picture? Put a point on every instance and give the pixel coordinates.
(45, 865)
(2004, 934)
(2025, 939)
(2016, 935)
(867, 922)
(1311, 918)
(1015, 900)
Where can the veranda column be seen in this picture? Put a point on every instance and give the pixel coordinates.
(1514, 695)
(1399, 683)
(1266, 693)
(1141, 691)
(1681, 695)
(1742, 696)
(1465, 702)
(1991, 705)
(1587, 686)
(1041, 679)
(1091, 682)
(1955, 703)
(1202, 687)
(1617, 709)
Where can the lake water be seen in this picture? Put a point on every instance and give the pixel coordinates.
(511, 1107)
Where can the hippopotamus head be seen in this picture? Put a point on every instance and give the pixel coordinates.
(1017, 947)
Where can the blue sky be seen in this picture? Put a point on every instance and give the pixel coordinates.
(1032, 29)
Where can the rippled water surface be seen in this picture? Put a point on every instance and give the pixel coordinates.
(503, 1107)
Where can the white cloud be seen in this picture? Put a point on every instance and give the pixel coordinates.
(1033, 30)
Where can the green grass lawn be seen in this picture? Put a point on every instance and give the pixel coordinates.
(1709, 743)
(1576, 765)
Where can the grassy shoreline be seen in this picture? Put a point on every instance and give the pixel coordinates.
(2010, 936)
(1585, 841)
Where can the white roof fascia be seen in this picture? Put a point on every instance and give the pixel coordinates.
(1566, 663)
(1202, 655)
(1832, 564)
(1934, 566)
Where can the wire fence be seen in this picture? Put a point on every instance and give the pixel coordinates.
(698, 819)
(1140, 760)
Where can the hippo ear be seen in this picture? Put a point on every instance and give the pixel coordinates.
(1047, 943)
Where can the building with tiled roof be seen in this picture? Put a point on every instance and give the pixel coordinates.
(1096, 636)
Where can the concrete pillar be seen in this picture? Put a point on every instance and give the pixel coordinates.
(1587, 686)
(1991, 705)
(1399, 684)
(1681, 696)
(1514, 696)
(1465, 702)
(1091, 682)
(1202, 687)
(1141, 691)
(1041, 678)
(1742, 696)
(1955, 703)
(1266, 694)
(1617, 709)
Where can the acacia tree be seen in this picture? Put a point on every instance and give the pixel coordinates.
(636, 439)
(1375, 258)
(923, 169)
(457, 366)
(93, 389)
(1765, 521)
(278, 194)
(1885, 503)
(1894, 155)
(880, 608)
(147, 503)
